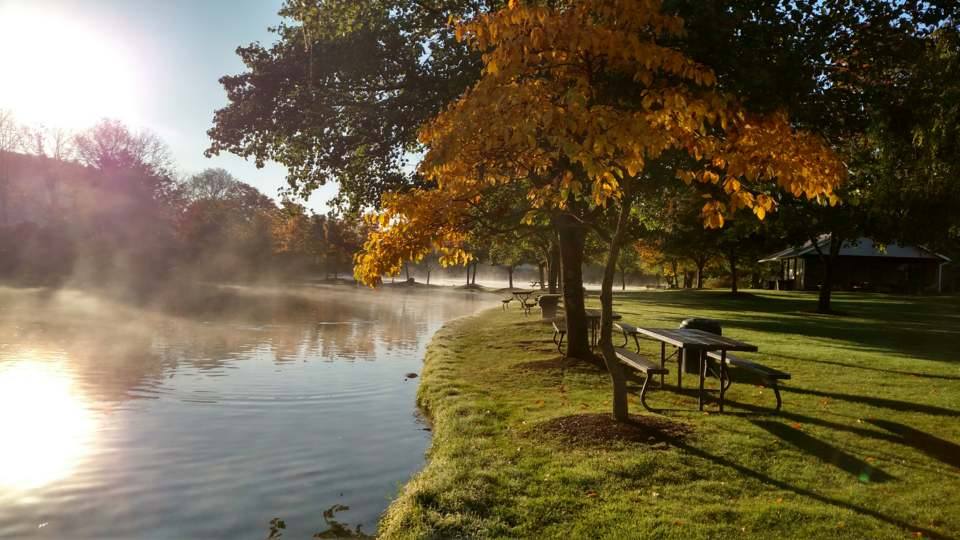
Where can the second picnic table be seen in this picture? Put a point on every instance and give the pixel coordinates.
(593, 315)
(698, 343)
(523, 296)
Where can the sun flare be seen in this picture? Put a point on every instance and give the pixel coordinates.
(46, 424)
(57, 72)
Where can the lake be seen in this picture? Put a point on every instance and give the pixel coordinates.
(209, 420)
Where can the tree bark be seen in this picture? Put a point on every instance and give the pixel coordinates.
(826, 287)
(510, 275)
(614, 367)
(623, 280)
(732, 258)
(700, 266)
(571, 235)
(554, 266)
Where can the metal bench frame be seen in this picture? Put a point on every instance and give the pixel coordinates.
(645, 365)
(769, 376)
(561, 331)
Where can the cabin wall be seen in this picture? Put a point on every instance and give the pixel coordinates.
(873, 274)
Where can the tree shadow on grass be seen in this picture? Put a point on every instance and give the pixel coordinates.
(868, 368)
(827, 453)
(883, 403)
(910, 326)
(748, 472)
(944, 451)
(940, 449)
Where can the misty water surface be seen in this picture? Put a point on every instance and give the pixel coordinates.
(207, 421)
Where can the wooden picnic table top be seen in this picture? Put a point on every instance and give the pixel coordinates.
(595, 314)
(689, 338)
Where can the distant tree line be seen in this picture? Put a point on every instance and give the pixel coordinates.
(105, 206)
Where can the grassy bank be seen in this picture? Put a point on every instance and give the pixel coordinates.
(866, 446)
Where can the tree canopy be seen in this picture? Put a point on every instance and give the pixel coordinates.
(575, 102)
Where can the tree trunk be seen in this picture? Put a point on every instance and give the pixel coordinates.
(733, 276)
(700, 266)
(406, 270)
(614, 367)
(428, 275)
(468, 274)
(473, 280)
(826, 288)
(732, 259)
(571, 235)
(510, 275)
(554, 266)
(623, 280)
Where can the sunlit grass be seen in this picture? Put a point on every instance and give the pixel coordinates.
(866, 446)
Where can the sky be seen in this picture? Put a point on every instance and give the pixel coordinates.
(153, 64)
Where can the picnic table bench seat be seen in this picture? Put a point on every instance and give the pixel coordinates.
(642, 364)
(767, 375)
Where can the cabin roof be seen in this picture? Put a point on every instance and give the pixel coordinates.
(861, 247)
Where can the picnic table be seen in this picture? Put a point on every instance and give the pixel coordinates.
(593, 316)
(523, 296)
(697, 344)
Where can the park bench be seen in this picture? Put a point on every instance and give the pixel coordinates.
(559, 330)
(644, 365)
(506, 302)
(745, 369)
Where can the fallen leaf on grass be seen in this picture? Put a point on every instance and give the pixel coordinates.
(796, 425)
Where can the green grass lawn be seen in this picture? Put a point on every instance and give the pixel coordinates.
(866, 445)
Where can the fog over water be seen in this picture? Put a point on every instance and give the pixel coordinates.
(209, 420)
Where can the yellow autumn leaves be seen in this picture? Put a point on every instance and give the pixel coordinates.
(544, 114)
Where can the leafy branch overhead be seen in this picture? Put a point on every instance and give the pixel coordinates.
(576, 104)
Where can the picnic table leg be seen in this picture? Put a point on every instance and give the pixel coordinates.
(703, 376)
(663, 358)
(723, 376)
(681, 358)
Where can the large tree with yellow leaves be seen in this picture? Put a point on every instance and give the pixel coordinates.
(583, 105)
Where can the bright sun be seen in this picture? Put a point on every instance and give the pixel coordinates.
(47, 427)
(57, 72)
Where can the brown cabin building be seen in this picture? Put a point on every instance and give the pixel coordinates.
(861, 265)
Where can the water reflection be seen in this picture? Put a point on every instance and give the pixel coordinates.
(210, 418)
(46, 424)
